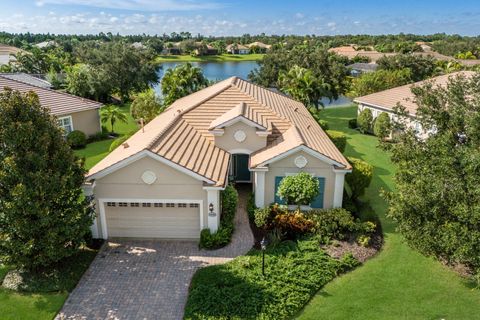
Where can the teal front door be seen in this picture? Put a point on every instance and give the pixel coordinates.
(240, 168)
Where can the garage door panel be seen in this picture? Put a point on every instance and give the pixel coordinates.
(153, 222)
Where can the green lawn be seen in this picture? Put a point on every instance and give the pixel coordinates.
(96, 151)
(215, 58)
(399, 283)
(39, 306)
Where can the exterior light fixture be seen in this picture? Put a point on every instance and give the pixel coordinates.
(210, 209)
(263, 246)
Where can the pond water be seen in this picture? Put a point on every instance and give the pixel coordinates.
(217, 71)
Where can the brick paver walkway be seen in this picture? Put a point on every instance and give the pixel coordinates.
(148, 279)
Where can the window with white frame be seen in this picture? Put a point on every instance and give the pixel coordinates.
(66, 124)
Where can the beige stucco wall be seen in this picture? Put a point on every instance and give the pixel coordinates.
(287, 165)
(170, 184)
(252, 142)
(86, 121)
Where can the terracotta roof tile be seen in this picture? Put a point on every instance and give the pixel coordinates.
(59, 103)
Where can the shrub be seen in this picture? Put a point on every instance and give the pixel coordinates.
(295, 271)
(339, 139)
(264, 216)
(251, 207)
(293, 224)
(323, 124)
(299, 189)
(352, 123)
(146, 106)
(364, 240)
(364, 120)
(224, 233)
(99, 136)
(382, 126)
(77, 139)
(333, 223)
(360, 177)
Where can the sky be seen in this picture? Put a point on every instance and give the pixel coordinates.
(237, 17)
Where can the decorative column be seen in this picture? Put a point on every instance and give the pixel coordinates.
(213, 208)
(259, 188)
(338, 192)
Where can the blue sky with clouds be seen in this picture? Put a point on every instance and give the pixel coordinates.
(236, 17)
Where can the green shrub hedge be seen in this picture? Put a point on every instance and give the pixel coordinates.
(360, 177)
(365, 121)
(222, 237)
(323, 124)
(295, 271)
(339, 139)
(352, 123)
(77, 139)
(117, 142)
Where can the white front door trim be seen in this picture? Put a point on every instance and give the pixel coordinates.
(103, 217)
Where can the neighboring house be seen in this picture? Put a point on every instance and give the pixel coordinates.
(204, 50)
(387, 100)
(72, 112)
(259, 46)
(165, 181)
(46, 44)
(237, 49)
(356, 69)
(351, 52)
(28, 78)
(7, 53)
(139, 46)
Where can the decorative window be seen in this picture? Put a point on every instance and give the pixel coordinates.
(158, 205)
(300, 162)
(146, 204)
(123, 204)
(111, 204)
(182, 205)
(170, 205)
(134, 204)
(194, 205)
(240, 135)
(66, 124)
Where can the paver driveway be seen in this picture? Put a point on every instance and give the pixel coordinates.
(140, 279)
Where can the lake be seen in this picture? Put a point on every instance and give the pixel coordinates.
(222, 70)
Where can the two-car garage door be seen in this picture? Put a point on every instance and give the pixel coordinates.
(167, 220)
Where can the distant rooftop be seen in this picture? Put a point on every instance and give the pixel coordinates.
(27, 78)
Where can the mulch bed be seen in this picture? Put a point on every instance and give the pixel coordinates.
(337, 249)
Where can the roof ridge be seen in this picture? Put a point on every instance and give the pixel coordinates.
(55, 91)
(182, 112)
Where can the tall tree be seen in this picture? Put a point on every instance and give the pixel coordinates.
(181, 81)
(436, 201)
(112, 114)
(146, 106)
(302, 85)
(377, 81)
(43, 215)
(420, 67)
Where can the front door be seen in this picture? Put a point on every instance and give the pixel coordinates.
(241, 173)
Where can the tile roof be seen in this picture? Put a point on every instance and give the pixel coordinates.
(59, 103)
(27, 78)
(388, 99)
(182, 133)
(241, 110)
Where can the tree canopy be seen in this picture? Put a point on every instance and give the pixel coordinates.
(43, 214)
(420, 67)
(181, 81)
(146, 106)
(436, 201)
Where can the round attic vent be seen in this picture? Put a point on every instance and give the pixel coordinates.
(240, 135)
(149, 177)
(300, 161)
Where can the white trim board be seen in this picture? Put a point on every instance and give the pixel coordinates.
(311, 152)
(239, 118)
(103, 217)
(140, 155)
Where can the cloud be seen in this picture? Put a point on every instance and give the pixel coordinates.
(138, 5)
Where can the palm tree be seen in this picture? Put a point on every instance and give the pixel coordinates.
(181, 81)
(112, 114)
(302, 85)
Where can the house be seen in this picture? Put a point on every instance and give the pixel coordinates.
(29, 79)
(259, 47)
(356, 69)
(387, 100)
(165, 180)
(72, 112)
(204, 49)
(46, 44)
(7, 53)
(237, 49)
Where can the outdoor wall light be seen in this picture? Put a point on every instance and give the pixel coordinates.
(210, 209)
